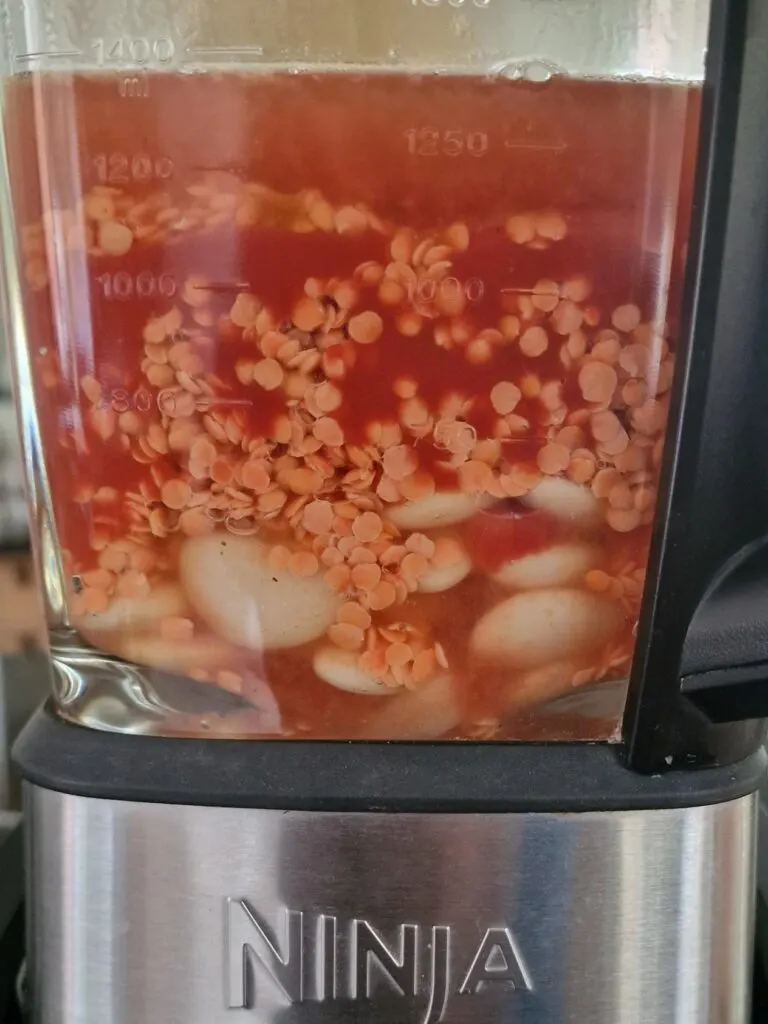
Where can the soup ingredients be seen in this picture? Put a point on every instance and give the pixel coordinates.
(436, 510)
(244, 595)
(342, 670)
(450, 565)
(570, 502)
(424, 714)
(186, 657)
(558, 566)
(358, 429)
(126, 615)
(531, 629)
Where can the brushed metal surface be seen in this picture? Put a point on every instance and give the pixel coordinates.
(162, 914)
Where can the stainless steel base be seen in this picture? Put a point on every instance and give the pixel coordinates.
(157, 914)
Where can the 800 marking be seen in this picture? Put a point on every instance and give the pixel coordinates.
(166, 401)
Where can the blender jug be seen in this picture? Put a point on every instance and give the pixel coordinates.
(387, 377)
(345, 358)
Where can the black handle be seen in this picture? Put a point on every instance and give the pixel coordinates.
(725, 657)
(714, 500)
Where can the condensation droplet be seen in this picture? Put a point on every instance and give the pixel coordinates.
(111, 715)
(529, 70)
(461, 25)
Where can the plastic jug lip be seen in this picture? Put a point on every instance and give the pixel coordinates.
(589, 39)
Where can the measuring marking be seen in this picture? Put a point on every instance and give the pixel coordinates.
(145, 285)
(427, 288)
(166, 401)
(554, 147)
(50, 54)
(428, 141)
(127, 52)
(134, 87)
(119, 168)
(219, 51)
(221, 168)
(221, 287)
(206, 401)
(479, 4)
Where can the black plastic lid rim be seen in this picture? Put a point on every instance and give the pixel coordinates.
(304, 775)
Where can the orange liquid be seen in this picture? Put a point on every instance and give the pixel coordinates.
(253, 301)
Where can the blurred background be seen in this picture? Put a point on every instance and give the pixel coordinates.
(23, 685)
(23, 672)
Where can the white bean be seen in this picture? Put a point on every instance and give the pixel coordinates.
(556, 567)
(180, 656)
(565, 500)
(340, 669)
(540, 685)
(536, 627)
(438, 578)
(442, 509)
(425, 713)
(133, 614)
(244, 600)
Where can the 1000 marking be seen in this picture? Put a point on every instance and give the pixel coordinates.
(144, 285)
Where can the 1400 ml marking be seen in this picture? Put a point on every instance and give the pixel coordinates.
(319, 958)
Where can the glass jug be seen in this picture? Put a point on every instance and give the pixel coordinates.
(344, 336)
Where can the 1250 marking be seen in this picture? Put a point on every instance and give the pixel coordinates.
(434, 142)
